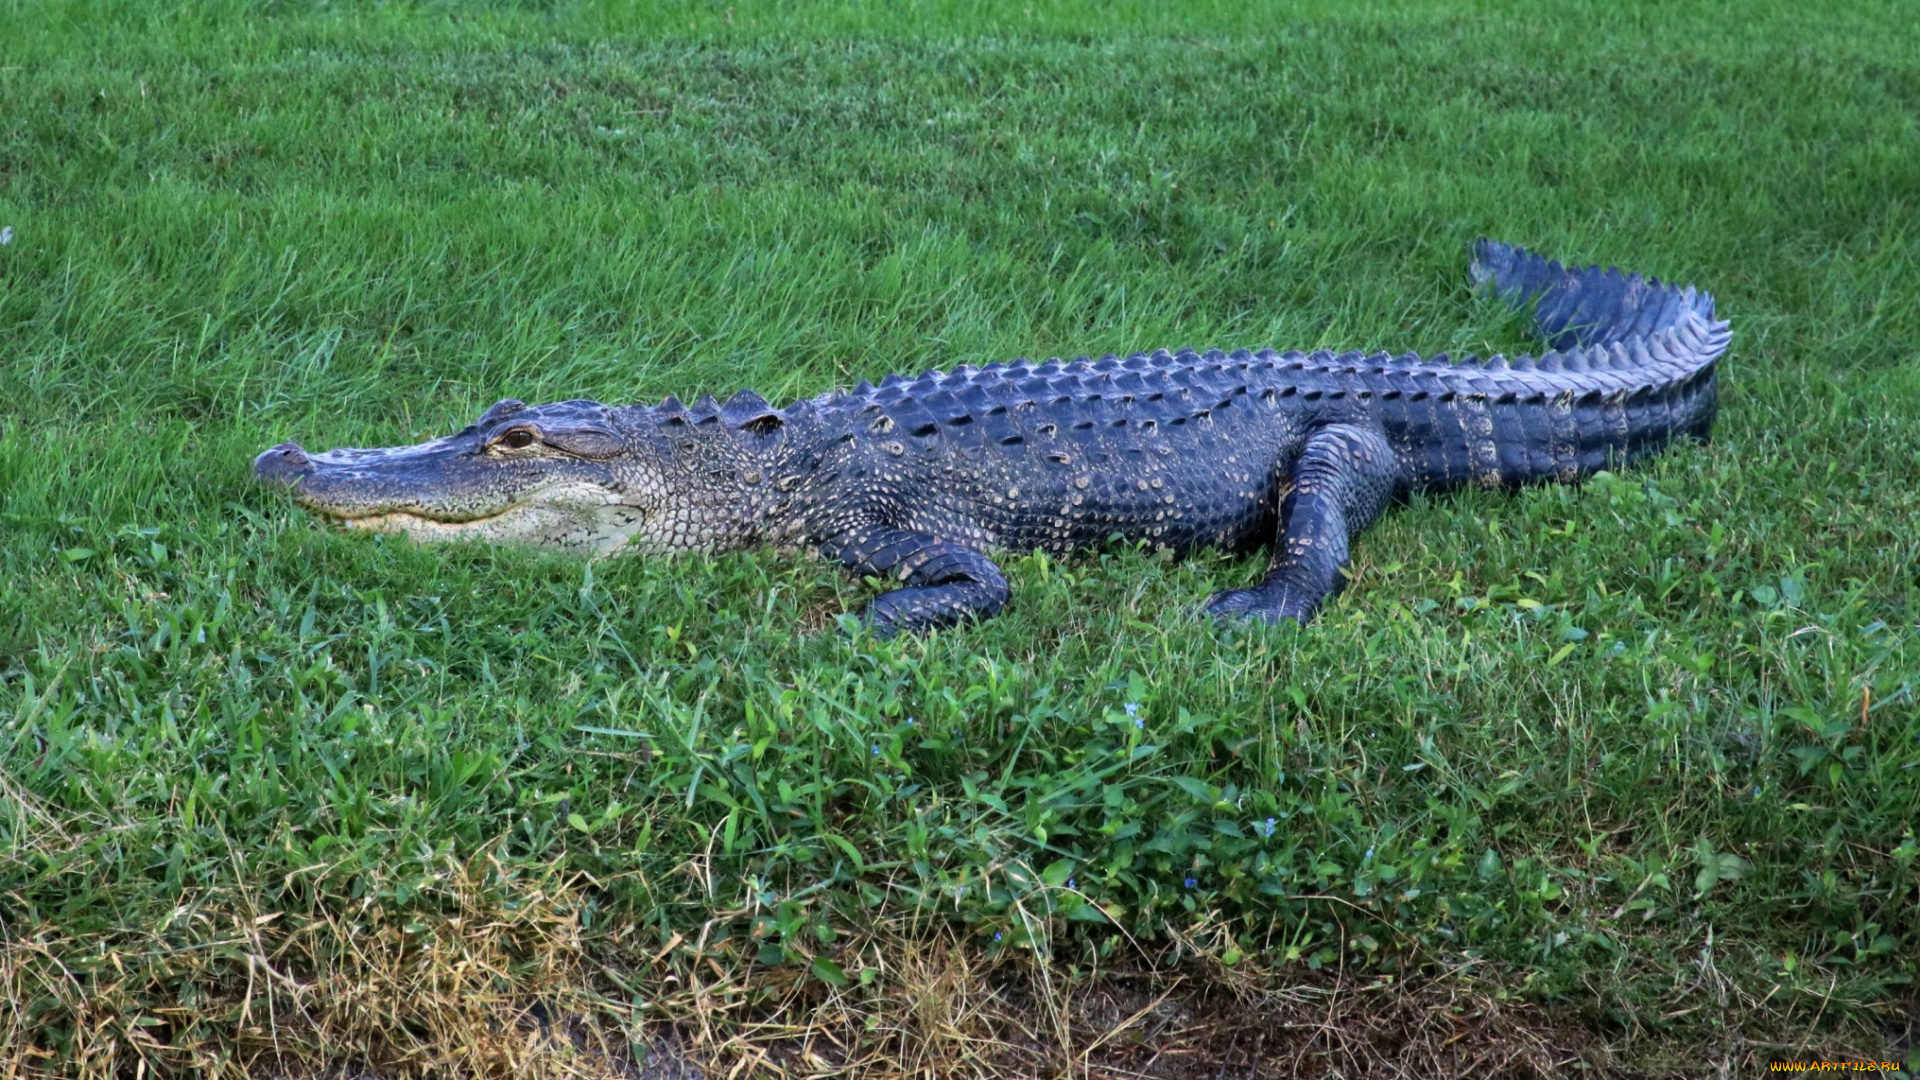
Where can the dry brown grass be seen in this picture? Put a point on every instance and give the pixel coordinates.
(228, 989)
(510, 986)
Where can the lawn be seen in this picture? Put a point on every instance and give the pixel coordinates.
(1622, 776)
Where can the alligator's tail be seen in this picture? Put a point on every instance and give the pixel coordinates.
(1631, 367)
(1588, 305)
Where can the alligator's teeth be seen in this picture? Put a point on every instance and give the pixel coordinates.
(401, 521)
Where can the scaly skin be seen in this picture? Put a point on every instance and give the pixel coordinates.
(918, 479)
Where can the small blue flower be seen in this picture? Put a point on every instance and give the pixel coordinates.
(996, 935)
(1133, 709)
(1265, 827)
(876, 749)
(1191, 882)
(1070, 883)
(911, 720)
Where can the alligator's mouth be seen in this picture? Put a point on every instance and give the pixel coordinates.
(524, 524)
(532, 523)
(406, 520)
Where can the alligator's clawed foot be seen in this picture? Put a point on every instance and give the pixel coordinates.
(941, 583)
(1262, 604)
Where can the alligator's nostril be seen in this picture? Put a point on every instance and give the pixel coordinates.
(283, 464)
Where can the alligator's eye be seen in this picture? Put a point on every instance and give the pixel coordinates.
(517, 439)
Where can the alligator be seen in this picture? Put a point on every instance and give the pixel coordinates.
(919, 479)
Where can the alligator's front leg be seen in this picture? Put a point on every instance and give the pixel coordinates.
(1345, 476)
(942, 582)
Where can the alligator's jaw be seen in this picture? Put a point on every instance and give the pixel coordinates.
(426, 528)
(592, 530)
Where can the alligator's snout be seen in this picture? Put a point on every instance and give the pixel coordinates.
(285, 465)
(556, 476)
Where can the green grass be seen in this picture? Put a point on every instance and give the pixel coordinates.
(1642, 753)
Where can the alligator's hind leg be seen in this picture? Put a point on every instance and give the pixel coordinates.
(943, 582)
(1345, 476)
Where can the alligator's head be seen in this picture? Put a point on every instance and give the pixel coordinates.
(575, 475)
